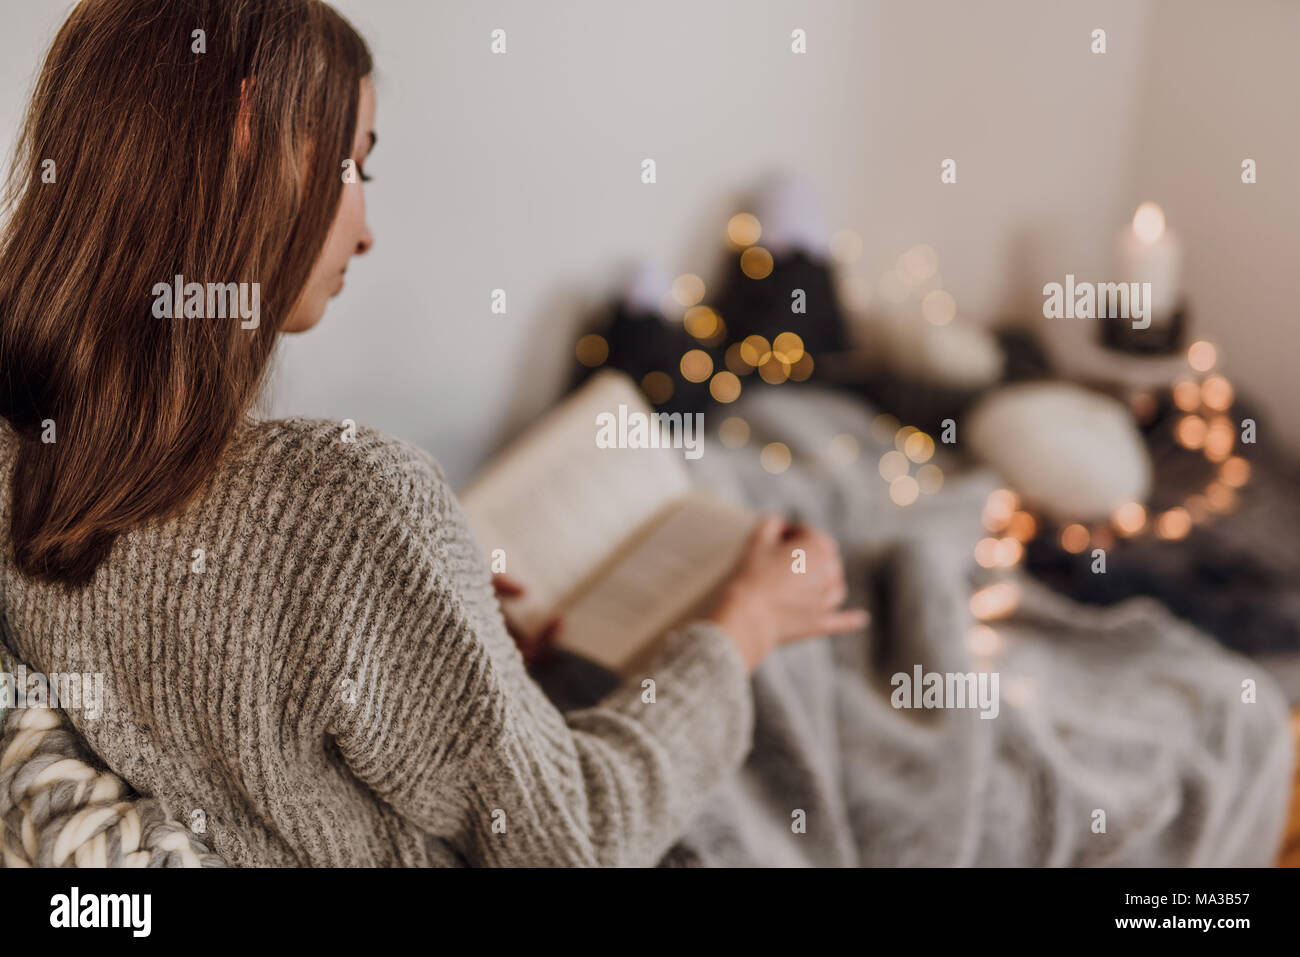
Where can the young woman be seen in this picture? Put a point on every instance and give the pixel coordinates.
(298, 636)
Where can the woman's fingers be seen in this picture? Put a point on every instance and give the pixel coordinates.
(838, 622)
(506, 587)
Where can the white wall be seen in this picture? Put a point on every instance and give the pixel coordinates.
(1223, 84)
(522, 171)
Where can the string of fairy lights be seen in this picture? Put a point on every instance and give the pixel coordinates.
(1203, 398)
(785, 359)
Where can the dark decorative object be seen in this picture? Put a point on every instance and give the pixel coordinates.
(762, 307)
(1236, 577)
(1163, 339)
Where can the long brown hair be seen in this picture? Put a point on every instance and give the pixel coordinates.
(166, 162)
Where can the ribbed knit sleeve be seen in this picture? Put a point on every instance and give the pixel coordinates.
(441, 721)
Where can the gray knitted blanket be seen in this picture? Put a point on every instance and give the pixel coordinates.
(1122, 737)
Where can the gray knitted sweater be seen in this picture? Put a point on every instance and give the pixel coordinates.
(311, 655)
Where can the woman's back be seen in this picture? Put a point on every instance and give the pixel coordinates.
(309, 660)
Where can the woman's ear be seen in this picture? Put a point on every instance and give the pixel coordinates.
(243, 122)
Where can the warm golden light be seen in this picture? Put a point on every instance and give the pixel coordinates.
(904, 490)
(995, 601)
(688, 289)
(733, 431)
(903, 434)
(983, 642)
(658, 387)
(735, 360)
(998, 509)
(701, 322)
(919, 447)
(1074, 538)
(1216, 392)
(920, 262)
(754, 350)
(1174, 524)
(1187, 395)
(986, 553)
(1202, 356)
(756, 263)
(1149, 223)
(802, 369)
(744, 229)
(1235, 472)
(592, 350)
(774, 371)
(884, 426)
(1129, 518)
(696, 366)
(788, 347)
(1221, 497)
(725, 387)
(939, 307)
(775, 457)
(1009, 552)
(1220, 439)
(930, 478)
(1190, 431)
(893, 465)
(1022, 527)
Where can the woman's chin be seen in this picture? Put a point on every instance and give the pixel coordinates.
(303, 321)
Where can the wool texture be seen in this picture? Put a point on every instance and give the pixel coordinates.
(311, 653)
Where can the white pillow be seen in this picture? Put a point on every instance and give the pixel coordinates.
(1071, 453)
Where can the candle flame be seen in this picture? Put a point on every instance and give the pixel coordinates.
(1149, 222)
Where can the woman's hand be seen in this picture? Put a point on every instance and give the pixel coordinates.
(768, 602)
(535, 648)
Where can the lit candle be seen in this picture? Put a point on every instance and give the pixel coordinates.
(1150, 252)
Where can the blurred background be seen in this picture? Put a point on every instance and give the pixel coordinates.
(522, 172)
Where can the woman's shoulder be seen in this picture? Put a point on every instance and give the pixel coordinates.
(312, 459)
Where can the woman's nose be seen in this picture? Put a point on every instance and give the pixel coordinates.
(365, 241)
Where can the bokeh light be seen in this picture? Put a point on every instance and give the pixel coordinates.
(904, 490)
(658, 387)
(775, 457)
(592, 350)
(1202, 356)
(733, 432)
(724, 387)
(939, 307)
(756, 262)
(744, 229)
(696, 365)
(893, 464)
(688, 289)
(1074, 538)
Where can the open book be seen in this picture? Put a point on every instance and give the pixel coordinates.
(612, 539)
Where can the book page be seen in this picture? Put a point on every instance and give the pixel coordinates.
(559, 505)
(656, 581)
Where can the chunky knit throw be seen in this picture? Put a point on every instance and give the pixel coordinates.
(310, 661)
